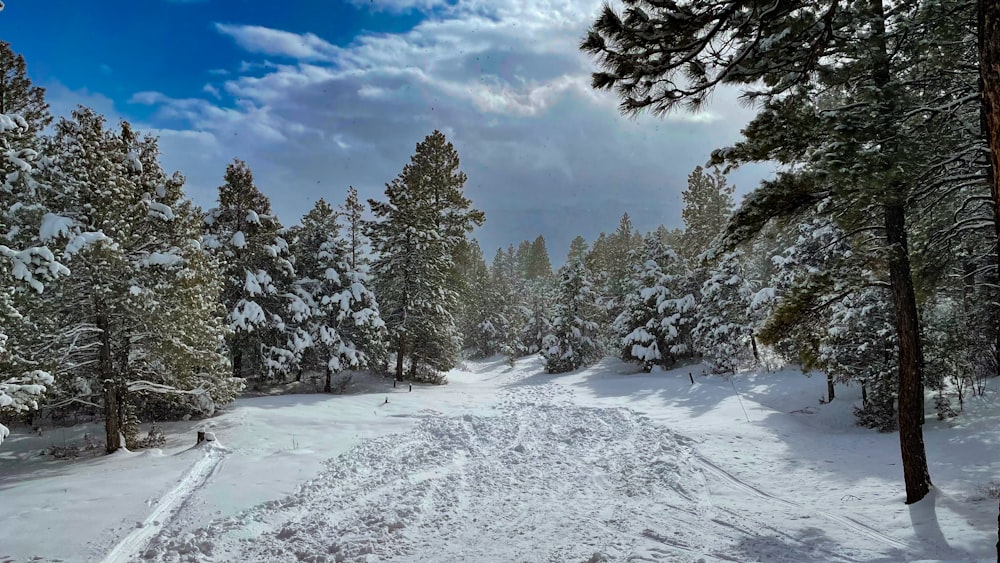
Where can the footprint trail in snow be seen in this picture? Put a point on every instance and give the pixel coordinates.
(543, 480)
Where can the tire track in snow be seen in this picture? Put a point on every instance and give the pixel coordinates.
(132, 545)
(845, 521)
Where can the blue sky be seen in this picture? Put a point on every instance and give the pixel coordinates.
(318, 95)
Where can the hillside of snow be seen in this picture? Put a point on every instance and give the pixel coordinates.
(512, 464)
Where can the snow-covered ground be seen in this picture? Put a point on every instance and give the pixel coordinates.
(511, 464)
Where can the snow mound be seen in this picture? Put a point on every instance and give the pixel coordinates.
(551, 482)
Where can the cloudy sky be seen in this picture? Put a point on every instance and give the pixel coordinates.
(318, 95)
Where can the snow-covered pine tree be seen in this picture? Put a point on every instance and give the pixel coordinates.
(335, 311)
(578, 249)
(415, 234)
(540, 290)
(18, 96)
(808, 276)
(133, 327)
(243, 236)
(358, 245)
(538, 310)
(509, 288)
(177, 366)
(723, 332)
(572, 341)
(482, 319)
(655, 325)
(368, 335)
(25, 261)
(860, 344)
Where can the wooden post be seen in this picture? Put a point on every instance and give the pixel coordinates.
(201, 437)
(411, 387)
(691, 377)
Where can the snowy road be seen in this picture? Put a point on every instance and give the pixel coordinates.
(542, 480)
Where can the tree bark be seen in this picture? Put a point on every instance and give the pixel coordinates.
(105, 367)
(911, 400)
(989, 85)
(400, 352)
(830, 392)
(327, 387)
(916, 476)
(237, 361)
(112, 429)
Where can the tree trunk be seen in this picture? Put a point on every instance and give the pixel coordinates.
(105, 367)
(237, 361)
(830, 393)
(989, 85)
(123, 372)
(911, 400)
(400, 352)
(327, 387)
(916, 476)
(112, 429)
(753, 346)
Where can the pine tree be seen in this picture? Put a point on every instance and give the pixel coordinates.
(509, 289)
(723, 332)
(369, 337)
(610, 264)
(708, 204)
(658, 314)
(18, 96)
(572, 342)
(243, 236)
(337, 317)
(479, 319)
(177, 366)
(134, 319)
(25, 260)
(358, 245)
(538, 311)
(416, 233)
(538, 264)
(862, 63)
(577, 250)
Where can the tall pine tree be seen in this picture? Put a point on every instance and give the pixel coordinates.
(416, 233)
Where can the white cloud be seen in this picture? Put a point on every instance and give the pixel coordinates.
(63, 100)
(267, 41)
(399, 5)
(503, 78)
